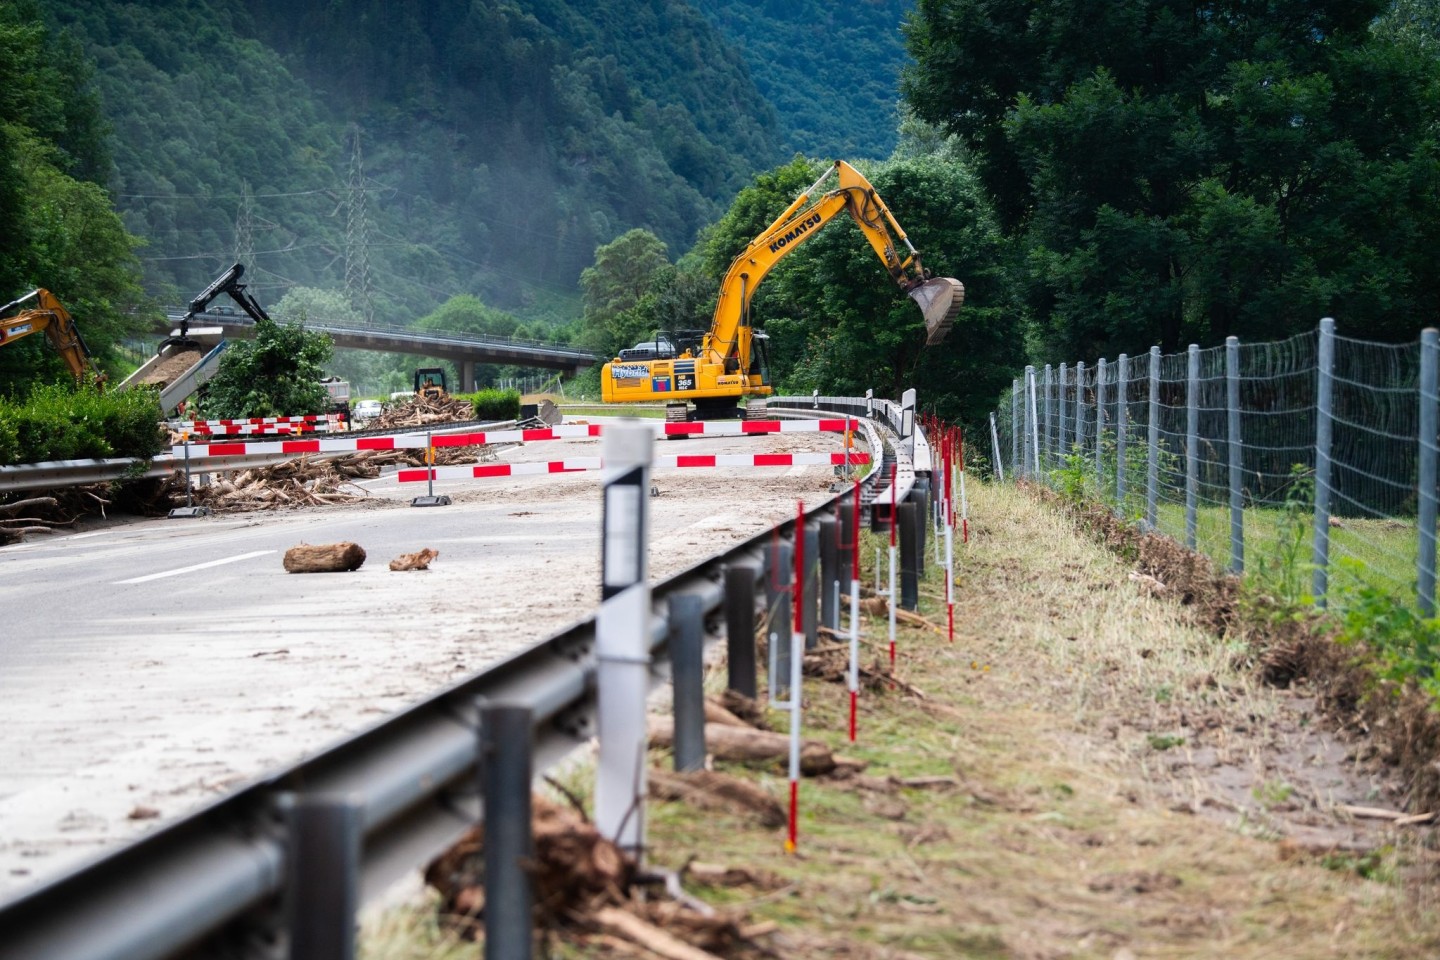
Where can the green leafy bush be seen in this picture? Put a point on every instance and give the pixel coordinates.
(1405, 645)
(496, 404)
(61, 423)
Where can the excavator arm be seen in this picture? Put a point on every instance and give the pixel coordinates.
(46, 314)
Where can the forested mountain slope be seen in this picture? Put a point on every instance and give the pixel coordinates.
(499, 145)
(831, 70)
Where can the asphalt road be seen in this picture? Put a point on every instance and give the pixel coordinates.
(149, 666)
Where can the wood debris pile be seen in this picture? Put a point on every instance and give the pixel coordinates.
(306, 482)
(423, 411)
(587, 891)
(32, 515)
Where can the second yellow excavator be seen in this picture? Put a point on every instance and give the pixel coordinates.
(713, 369)
(39, 311)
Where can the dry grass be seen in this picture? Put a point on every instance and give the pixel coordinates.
(1121, 788)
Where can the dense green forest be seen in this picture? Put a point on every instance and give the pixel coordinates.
(831, 70)
(1100, 178)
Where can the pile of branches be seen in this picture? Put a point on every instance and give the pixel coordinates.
(589, 892)
(31, 515)
(306, 482)
(423, 411)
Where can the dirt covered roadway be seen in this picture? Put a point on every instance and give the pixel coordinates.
(149, 667)
(1084, 773)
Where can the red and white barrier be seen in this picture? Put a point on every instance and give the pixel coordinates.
(401, 441)
(575, 464)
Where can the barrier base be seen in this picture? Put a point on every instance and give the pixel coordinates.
(439, 500)
(181, 513)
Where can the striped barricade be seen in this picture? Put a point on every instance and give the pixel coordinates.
(402, 441)
(577, 464)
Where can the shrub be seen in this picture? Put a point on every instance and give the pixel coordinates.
(496, 404)
(61, 423)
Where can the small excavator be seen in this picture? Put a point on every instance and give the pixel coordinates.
(46, 313)
(715, 368)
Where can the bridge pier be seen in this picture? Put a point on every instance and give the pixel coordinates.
(467, 376)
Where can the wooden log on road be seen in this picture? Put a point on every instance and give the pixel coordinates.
(324, 557)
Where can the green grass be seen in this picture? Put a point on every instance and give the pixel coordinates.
(612, 410)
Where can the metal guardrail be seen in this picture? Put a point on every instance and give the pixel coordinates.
(215, 880)
(74, 473)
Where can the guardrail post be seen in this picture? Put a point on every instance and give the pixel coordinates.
(622, 637)
(1324, 427)
(920, 493)
(323, 887)
(1192, 443)
(1152, 444)
(827, 530)
(506, 738)
(908, 517)
(687, 670)
(810, 587)
(1429, 425)
(740, 629)
(1232, 429)
(777, 625)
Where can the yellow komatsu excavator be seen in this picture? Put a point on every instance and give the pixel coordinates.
(39, 311)
(715, 368)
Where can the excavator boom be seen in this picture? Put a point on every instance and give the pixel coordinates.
(44, 313)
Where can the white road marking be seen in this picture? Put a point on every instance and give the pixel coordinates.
(198, 566)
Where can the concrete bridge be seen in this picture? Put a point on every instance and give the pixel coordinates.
(465, 350)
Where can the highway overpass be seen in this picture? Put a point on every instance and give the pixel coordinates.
(465, 350)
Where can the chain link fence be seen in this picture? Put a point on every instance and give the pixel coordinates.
(1308, 463)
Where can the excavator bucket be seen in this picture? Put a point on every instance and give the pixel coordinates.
(940, 300)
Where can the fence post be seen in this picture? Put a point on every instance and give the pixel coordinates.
(1062, 449)
(1122, 427)
(1079, 443)
(1192, 444)
(1015, 428)
(323, 891)
(506, 736)
(995, 443)
(1100, 370)
(687, 670)
(622, 637)
(1429, 415)
(1152, 452)
(1033, 419)
(1324, 394)
(1049, 444)
(1232, 416)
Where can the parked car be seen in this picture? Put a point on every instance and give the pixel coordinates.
(367, 409)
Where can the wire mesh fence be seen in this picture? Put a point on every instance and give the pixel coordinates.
(1308, 463)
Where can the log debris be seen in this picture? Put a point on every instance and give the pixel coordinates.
(420, 560)
(324, 557)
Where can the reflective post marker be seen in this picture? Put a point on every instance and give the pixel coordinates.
(622, 635)
(890, 598)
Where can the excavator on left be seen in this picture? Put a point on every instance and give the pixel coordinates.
(38, 311)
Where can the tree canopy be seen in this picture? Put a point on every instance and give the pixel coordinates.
(1184, 172)
(275, 375)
